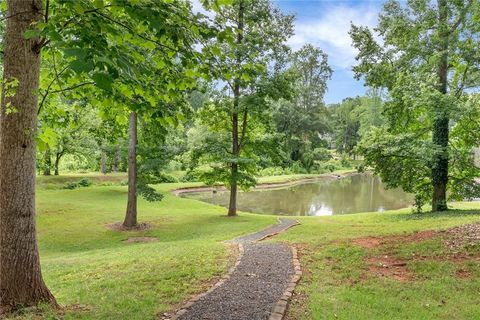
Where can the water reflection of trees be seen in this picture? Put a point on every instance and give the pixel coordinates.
(357, 193)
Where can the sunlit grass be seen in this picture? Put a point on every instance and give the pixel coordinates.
(96, 275)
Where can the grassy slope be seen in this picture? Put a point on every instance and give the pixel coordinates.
(336, 284)
(86, 263)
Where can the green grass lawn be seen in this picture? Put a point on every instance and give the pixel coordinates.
(96, 275)
(87, 264)
(338, 282)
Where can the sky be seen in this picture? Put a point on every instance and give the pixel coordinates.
(325, 24)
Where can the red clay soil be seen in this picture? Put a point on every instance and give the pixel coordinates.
(454, 239)
(373, 242)
(389, 267)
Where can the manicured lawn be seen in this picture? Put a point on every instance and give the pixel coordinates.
(96, 275)
(86, 263)
(344, 279)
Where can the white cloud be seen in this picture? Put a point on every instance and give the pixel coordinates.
(330, 31)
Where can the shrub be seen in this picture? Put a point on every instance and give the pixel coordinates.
(160, 178)
(84, 182)
(360, 168)
(345, 161)
(271, 171)
(296, 168)
(78, 184)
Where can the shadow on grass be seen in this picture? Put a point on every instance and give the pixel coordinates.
(441, 214)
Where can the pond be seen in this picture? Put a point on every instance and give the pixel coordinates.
(326, 196)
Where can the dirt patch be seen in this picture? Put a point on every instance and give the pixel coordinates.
(455, 240)
(140, 240)
(76, 308)
(373, 242)
(463, 274)
(368, 242)
(298, 307)
(389, 267)
(118, 226)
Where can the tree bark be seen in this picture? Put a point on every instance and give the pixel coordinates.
(131, 214)
(116, 160)
(21, 282)
(440, 130)
(47, 167)
(232, 207)
(58, 157)
(103, 162)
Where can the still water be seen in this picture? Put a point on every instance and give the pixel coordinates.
(355, 193)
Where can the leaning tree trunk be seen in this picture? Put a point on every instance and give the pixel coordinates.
(131, 215)
(47, 166)
(440, 130)
(21, 282)
(232, 207)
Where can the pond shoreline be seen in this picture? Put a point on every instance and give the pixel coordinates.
(266, 185)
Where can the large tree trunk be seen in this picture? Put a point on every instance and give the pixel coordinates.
(232, 207)
(21, 282)
(47, 166)
(131, 215)
(440, 130)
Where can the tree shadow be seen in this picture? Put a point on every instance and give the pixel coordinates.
(442, 214)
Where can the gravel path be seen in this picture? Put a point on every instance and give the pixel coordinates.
(256, 284)
(282, 225)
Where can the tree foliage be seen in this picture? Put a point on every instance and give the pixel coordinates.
(428, 61)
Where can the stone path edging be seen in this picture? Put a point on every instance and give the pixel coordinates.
(281, 231)
(279, 310)
(197, 297)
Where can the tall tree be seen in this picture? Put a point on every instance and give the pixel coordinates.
(303, 119)
(428, 59)
(346, 124)
(21, 282)
(89, 44)
(250, 33)
(131, 214)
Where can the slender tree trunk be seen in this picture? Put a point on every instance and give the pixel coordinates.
(103, 162)
(58, 157)
(232, 207)
(47, 168)
(116, 160)
(21, 282)
(440, 123)
(131, 215)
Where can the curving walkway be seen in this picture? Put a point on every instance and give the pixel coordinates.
(254, 289)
